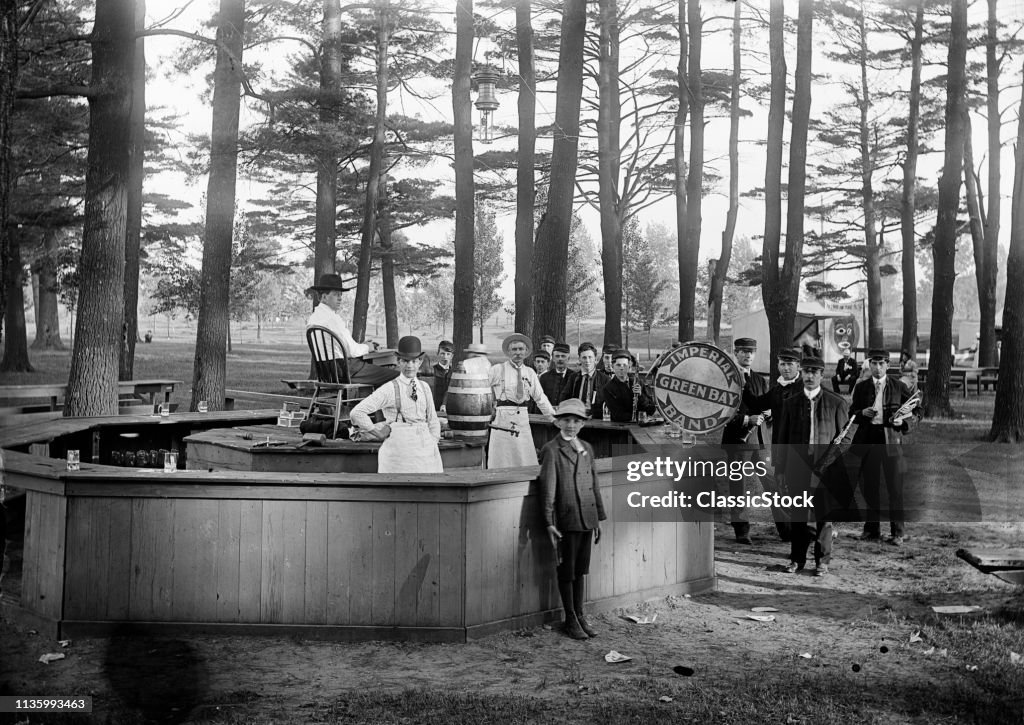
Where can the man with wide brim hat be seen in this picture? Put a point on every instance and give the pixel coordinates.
(879, 436)
(411, 427)
(476, 362)
(330, 288)
(515, 384)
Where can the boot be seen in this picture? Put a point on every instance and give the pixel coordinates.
(577, 607)
(573, 628)
(572, 625)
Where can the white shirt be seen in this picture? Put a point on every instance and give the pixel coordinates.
(420, 410)
(812, 395)
(503, 379)
(324, 316)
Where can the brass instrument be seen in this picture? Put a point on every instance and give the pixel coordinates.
(908, 407)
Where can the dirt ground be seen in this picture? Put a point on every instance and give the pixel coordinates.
(861, 617)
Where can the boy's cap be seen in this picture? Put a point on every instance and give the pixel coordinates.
(789, 355)
(621, 353)
(572, 406)
(542, 353)
(562, 347)
(547, 338)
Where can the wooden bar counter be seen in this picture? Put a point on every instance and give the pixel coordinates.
(438, 557)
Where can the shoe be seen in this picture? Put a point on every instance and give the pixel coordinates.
(743, 540)
(821, 570)
(586, 626)
(574, 630)
(870, 536)
(895, 540)
(793, 567)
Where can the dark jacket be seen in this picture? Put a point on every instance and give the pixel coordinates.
(571, 495)
(442, 378)
(894, 395)
(847, 369)
(596, 391)
(772, 400)
(618, 397)
(794, 428)
(735, 431)
(556, 386)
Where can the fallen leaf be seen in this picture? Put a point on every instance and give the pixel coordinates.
(1015, 659)
(665, 698)
(807, 655)
(972, 668)
(760, 617)
(641, 619)
(51, 657)
(64, 643)
(614, 657)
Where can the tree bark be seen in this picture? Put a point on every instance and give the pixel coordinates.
(986, 274)
(462, 314)
(8, 80)
(133, 224)
(1008, 415)
(15, 358)
(387, 267)
(525, 193)
(721, 269)
(552, 251)
(694, 178)
(362, 303)
(780, 314)
(609, 152)
(47, 320)
(872, 263)
(92, 382)
(325, 235)
(212, 331)
(687, 272)
(944, 248)
(908, 198)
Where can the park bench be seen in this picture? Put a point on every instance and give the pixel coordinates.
(988, 376)
(130, 392)
(1007, 564)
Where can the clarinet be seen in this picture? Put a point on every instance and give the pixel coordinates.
(636, 397)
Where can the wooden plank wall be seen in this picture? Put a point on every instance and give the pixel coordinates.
(43, 565)
(272, 562)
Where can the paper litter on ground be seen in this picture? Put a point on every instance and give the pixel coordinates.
(641, 618)
(614, 657)
(956, 609)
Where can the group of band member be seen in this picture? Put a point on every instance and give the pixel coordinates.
(804, 418)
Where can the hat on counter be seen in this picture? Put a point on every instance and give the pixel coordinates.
(562, 347)
(476, 347)
(790, 355)
(329, 283)
(572, 406)
(744, 343)
(812, 362)
(410, 348)
(878, 354)
(516, 337)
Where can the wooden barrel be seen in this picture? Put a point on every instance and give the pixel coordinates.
(470, 404)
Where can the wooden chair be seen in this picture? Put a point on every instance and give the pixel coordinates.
(333, 389)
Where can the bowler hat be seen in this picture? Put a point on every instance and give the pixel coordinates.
(572, 406)
(811, 362)
(745, 343)
(327, 283)
(562, 347)
(478, 347)
(516, 337)
(878, 354)
(410, 348)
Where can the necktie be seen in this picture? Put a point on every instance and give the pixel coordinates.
(412, 391)
(585, 390)
(746, 379)
(814, 426)
(879, 389)
(520, 393)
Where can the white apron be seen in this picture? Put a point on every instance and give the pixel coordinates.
(410, 448)
(505, 450)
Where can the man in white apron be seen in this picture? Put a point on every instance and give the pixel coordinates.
(514, 385)
(411, 428)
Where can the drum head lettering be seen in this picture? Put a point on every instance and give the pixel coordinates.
(698, 387)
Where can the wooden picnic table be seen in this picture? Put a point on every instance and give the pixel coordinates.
(962, 376)
(57, 392)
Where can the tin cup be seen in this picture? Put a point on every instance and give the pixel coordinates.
(170, 461)
(73, 460)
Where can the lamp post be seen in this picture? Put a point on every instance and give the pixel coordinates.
(486, 101)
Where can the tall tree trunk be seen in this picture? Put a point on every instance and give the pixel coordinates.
(525, 193)
(212, 331)
(362, 303)
(47, 319)
(908, 198)
(986, 275)
(1008, 416)
(872, 263)
(325, 235)
(686, 260)
(8, 79)
(551, 254)
(133, 224)
(462, 315)
(721, 268)
(15, 358)
(974, 216)
(944, 249)
(387, 266)
(779, 310)
(609, 153)
(789, 281)
(695, 176)
(95, 358)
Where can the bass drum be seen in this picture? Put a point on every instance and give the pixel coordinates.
(470, 405)
(697, 386)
